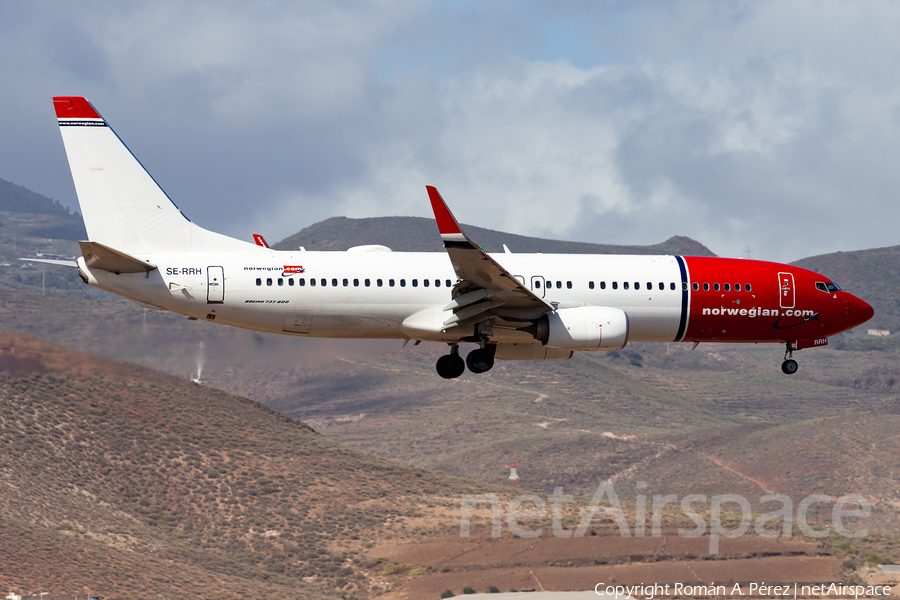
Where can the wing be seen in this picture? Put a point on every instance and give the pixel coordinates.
(485, 289)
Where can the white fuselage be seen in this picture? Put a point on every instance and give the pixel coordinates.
(377, 294)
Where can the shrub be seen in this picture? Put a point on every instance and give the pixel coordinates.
(396, 569)
(447, 593)
(468, 590)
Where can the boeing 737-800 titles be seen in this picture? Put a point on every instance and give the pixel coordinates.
(511, 306)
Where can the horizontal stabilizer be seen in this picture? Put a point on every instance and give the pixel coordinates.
(47, 261)
(98, 256)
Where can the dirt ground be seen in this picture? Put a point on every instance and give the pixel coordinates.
(571, 564)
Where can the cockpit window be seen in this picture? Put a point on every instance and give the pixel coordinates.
(828, 287)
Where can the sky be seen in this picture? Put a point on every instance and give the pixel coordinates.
(761, 129)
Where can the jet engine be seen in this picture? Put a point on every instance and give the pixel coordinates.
(582, 328)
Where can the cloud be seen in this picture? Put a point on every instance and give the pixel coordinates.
(768, 124)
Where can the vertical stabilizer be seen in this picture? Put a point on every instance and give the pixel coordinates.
(122, 205)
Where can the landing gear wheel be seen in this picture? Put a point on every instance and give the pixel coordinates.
(789, 367)
(480, 360)
(450, 366)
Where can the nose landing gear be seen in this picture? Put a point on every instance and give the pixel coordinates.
(789, 366)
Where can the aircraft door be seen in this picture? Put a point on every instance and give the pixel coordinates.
(786, 295)
(215, 285)
(538, 285)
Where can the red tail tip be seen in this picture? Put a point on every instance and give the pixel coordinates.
(74, 107)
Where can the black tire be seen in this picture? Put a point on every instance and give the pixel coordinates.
(450, 366)
(789, 367)
(480, 360)
(456, 365)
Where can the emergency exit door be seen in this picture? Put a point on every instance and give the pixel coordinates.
(215, 285)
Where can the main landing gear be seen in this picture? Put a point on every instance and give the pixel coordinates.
(789, 366)
(451, 366)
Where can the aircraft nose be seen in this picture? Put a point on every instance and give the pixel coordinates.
(860, 311)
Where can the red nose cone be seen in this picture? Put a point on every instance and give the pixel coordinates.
(860, 310)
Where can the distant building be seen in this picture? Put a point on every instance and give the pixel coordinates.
(880, 332)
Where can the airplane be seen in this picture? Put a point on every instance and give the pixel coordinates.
(512, 306)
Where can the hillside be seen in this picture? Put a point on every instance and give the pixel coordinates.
(49, 218)
(417, 234)
(130, 483)
(126, 481)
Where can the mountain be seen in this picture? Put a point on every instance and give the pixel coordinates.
(416, 234)
(56, 222)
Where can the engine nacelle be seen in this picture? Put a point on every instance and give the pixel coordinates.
(583, 328)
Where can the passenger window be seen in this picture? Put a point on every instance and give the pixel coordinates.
(258, 281)
(302, 282)
(448, 283)
(379, 282)
(737, 287)
(727, 287)
(281, 282)
(747, 286)
(402, 283)
(650, 285)
(437, 283)
(602, 285)
(559, 285)
(662, 286)
(268, 282)
(705, 287)
(694, 285)
(591, 284)
(334, 282)
(367, 282)
(637, 285)
(624, 285)
(415, 282)
(615, 285)
(425, 282)
(569, 285)
(537, 283)
(291, 282)
(391, 282)
(356, 283)
(716, 287)
(683, 286)
(312, 282)
(346, 283)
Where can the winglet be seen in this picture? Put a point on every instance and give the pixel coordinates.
(74, 107)
(446, 222)
(260, 240)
